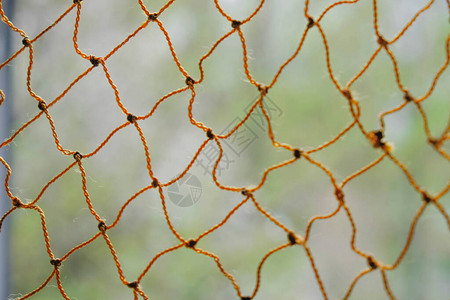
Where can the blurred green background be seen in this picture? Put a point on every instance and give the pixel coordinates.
(309, 111)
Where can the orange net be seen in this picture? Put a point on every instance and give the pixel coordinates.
(376, 138)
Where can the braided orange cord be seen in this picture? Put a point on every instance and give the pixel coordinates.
(166, 214)
(439, 73)
(127, 39)
(221, 268)
(172, 50)
(409, 238)
(9, 23)
(270, 169)
(225, 136)
(110, 135)
(8, 175)
(267, 215)
(355, 280)
(85, 191)
(227, 188)
(2, 97)
(263, 260)
(375, 138)
(364, 69)
(166, 6)
(113, 253)
(140, 292)
(147, 268)
(344, 131)
(436, 143)
(324, 217)
(113, 86)
(75, 33)
(191, 103)
(333, 5)
(363, 170)
(199, 150)
(269, 127)
(218, 225)
(38, 289)
(391, 111)
(353, 239)
(30, 66)
(76, 248)
(443, 192)
(386, 285)
(316, 272)
(328, 59)
(60, 287)
(290, 59)
(402, 32)
(54, 179)
(442, 210)
(204, 57)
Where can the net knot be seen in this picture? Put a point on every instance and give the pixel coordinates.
(339, 194)
(376, 138)
(236, 24)
(102, 226)
(190, 81)
(56, 262)
(26, 42)
(155, 183)
(297, 153)
(16, 202)
(382, 42)
(131, 118)
(372, 262)
(408, 96)
(294, 239)
(347, 94)
(210, 134)
(246, 298)
(191, 243)
(95, 61)
(42, 105)
(77, 1)
(153, 17)
(311, 22)
(132, 285)
(426, 197)
(77, 156)
(245, 192)
(263, 89)
(434, 142)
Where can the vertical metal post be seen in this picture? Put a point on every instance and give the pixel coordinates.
(5, 131)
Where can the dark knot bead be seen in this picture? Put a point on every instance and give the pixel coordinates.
(77, 156)
(190, 81)
(297, 153)
(191, 243)
(236, 24)
(102, 226)
(55, 262)
(153, 17)
(131, 118)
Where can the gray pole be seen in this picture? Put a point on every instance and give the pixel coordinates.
(5, 131)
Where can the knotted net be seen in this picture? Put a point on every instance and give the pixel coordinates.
(362, 139)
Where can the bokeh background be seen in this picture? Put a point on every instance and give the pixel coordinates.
(307, 111)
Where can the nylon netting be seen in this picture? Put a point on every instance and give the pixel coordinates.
(299, 153)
